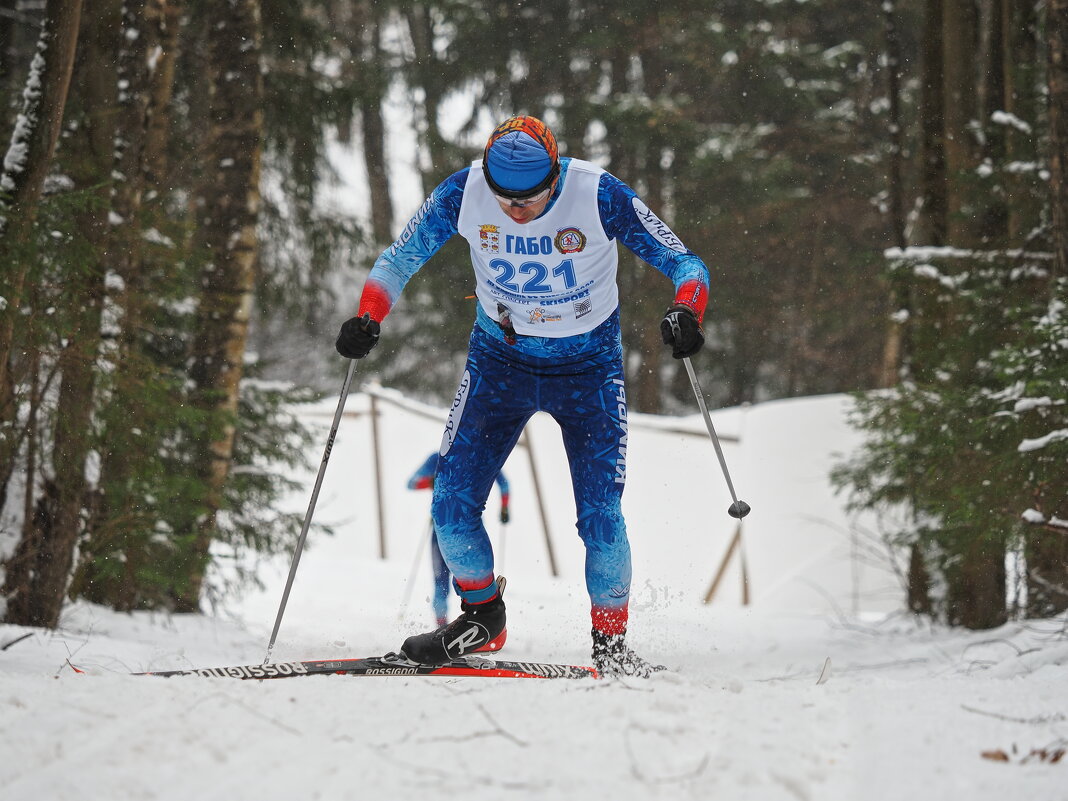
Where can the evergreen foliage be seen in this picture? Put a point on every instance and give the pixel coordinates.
(134, 532)
(771, 135)
(972, 443)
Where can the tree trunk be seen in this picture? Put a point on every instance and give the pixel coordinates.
(931, 226)
(145, 61)
(25, 165)
(7, 30)
(960, 48)
(930, 229)
(994, 213)
(1046, 552)
(975, 592)
(428, 73)
(1057, 67)
(975, 576)
(1020, 65)
(44, 98)
(164, 19)
(88, 160)
(374, 128)
(895, 167)
(918, 592)
(229, 204)
(18, 37)
(653, 292)
(1047, 546)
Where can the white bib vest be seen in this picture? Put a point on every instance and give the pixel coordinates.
(555, 275)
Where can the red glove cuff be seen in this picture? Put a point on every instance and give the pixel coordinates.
(693, 295)
(374, 301)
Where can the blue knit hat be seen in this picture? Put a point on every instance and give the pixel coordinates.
(518, 163)
(521, 156)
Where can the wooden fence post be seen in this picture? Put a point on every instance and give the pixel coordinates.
(736, 545)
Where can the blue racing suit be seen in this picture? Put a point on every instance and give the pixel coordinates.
(511, 373)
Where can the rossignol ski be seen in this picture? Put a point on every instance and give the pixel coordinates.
(393, 665)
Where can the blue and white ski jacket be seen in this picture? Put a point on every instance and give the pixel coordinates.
(553, 278)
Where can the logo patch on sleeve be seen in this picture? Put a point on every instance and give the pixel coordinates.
(657, 227)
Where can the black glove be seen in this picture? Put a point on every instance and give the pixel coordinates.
(357, 337)
(680, 329)
(504, 514)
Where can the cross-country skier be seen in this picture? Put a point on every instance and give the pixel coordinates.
(423, 478)
(542, 232)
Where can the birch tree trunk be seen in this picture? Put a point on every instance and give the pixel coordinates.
(228, 208)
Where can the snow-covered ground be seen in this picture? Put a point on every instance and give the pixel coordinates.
(909, 711)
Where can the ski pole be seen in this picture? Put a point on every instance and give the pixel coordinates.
(504, 530)
(738, 509)
(415, 568)
(311, 507)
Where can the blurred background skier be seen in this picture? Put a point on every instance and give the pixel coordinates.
(542, 232)
(423, 478)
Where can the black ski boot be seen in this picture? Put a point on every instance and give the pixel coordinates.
(478, 629)
(612, 657)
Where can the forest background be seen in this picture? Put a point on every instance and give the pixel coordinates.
(878, 187)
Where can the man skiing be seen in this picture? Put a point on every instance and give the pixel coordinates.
(542, 232)
(423, 478)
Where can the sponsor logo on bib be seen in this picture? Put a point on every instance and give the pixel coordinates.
(489, 238)
(570, 240)
(539, 315)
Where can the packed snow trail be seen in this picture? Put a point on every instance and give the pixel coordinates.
(910, 710)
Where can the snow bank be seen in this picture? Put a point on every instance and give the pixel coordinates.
(909, 710)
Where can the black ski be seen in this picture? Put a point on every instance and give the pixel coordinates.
(392, 665)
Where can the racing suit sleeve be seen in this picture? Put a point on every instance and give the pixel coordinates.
(502, 484)
(431, 227)
(625, 217)
(423, 478)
